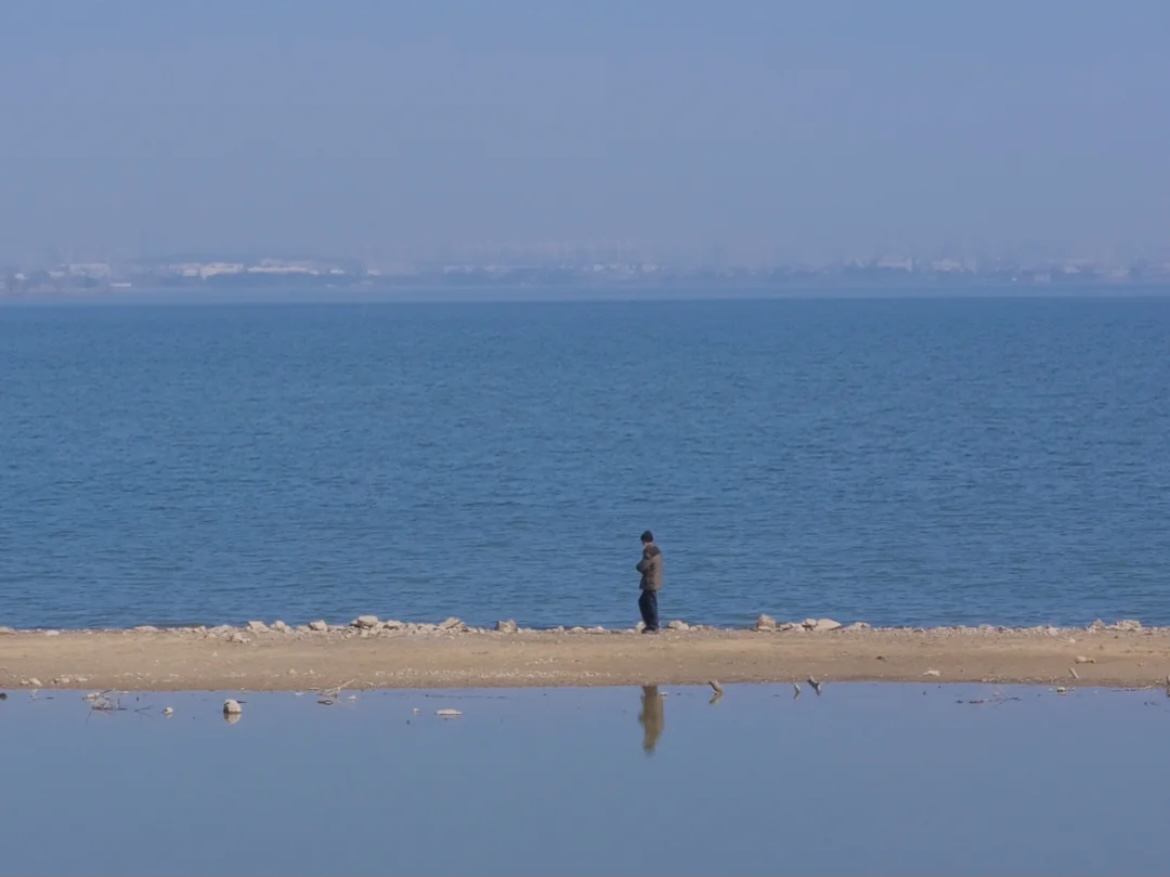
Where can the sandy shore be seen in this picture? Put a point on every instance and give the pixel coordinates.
(394, 655)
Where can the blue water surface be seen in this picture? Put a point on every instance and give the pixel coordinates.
(893, 461)
(866, 779)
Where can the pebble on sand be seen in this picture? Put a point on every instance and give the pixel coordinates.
(932, 673)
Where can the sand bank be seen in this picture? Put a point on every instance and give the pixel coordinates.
(376, 654)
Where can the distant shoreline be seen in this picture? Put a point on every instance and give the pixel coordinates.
(505, 294)
(374, 654)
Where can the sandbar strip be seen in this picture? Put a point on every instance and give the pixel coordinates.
(395, 655)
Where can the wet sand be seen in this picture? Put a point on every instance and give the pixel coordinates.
(428, 656)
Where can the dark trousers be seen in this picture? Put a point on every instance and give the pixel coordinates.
(648, 604)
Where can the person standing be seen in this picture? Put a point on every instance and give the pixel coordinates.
(650, 566)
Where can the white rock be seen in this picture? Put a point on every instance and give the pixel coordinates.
(1081, 659)
(809, 623)
(1128, 624)
(932, 673)
(318, 626)
(366, 622)
(236, 637)
(678, 625)
(454, 625)
(508, 626)
(448, 714)
(392, 625)
(232, 707)
(858, 625)
(824, 624)
(766, 623)
(280, 627)
(52, 633)
(577, 629)
(257, 626)
(31, 682)
(146, 628)
(4, 630)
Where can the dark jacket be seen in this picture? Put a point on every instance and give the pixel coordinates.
(650, 566)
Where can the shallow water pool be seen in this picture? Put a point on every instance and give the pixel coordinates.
(864, 779)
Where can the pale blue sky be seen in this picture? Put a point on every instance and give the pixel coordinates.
(769, 130)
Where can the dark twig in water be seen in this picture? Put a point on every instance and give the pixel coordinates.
(996, 699)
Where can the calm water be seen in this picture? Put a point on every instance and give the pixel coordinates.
(863, 780)
(898, 462)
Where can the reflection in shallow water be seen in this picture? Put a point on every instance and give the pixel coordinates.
(866, 779)
(652, 718)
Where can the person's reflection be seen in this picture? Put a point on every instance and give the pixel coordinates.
(652, 718)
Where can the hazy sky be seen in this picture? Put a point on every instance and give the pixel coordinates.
(769, 129)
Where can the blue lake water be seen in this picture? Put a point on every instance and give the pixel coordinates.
(892, 461)
(866, 779)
